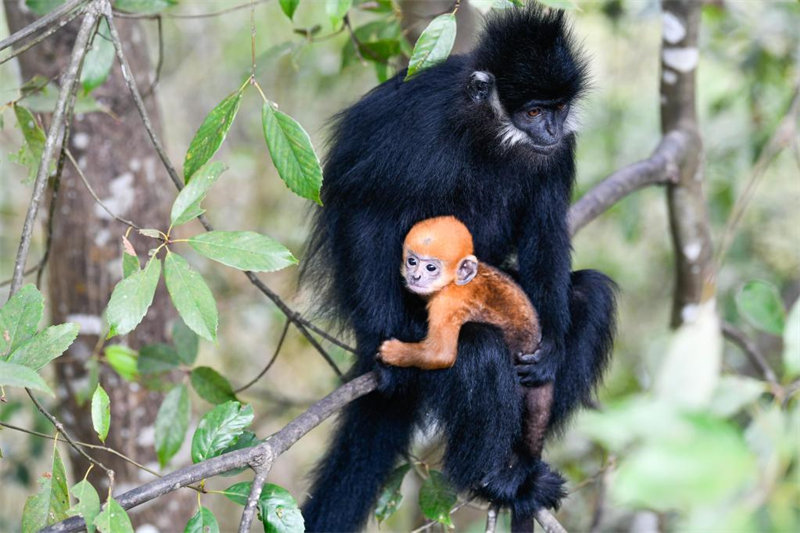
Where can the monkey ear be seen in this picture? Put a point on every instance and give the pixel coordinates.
(480, 86)
(467, 270)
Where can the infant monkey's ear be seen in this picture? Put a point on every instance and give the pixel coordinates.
(467, 270)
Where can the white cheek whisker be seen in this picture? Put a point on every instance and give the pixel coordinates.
(510, 135)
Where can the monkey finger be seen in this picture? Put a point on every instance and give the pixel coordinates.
(530, 358)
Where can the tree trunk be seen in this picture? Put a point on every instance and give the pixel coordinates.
(118, 159)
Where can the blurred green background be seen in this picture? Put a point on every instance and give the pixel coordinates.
(639, 463)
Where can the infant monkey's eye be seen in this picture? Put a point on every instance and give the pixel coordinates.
(430, 267)
(411, 261)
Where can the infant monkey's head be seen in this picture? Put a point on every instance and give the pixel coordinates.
(438, 251)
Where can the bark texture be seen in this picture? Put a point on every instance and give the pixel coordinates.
(115, 154)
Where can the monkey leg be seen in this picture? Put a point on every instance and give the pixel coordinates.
(588, 342)
(372, 433)
(538, 405)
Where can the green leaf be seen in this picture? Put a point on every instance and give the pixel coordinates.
(20, 317)
(113, 519)
(434, 45)
(292, 153)
(245, 250)
(238, 492)
(211, 386)
(337, 9)
(560, 4)
(132, 297)
(211, 134)
(45, 98)
(760, 304)
(44, 347)
(12, 375)
(148, 7)
(390, 496)
(203, 521)
(437, 498)
(187, 205)
(43, 7)
(50, 503)
(150, 232)
(277, 509)
(101, 412)
(733, 393)
(220, 428)
(30, 153)
(123, 360)
(88, 505)
(381, 50)
(191, 296)
(288, 7)
(708, 460)
(172, 421)
(130, 265)
(99, 59)
(157, 358)
(791, 342)
(186, 342)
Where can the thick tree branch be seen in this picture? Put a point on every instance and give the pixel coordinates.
(660, 168)
(263, 454)
(688, 216)
(68, 80)
(61, 12)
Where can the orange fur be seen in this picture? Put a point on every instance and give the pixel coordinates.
(491, 297)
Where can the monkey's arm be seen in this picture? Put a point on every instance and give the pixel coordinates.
(439, 349)
(544, 267)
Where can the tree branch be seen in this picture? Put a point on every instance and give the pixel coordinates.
(660, 168)
(41, 37)
(750, 349)
(69, 78)
(262, 454)
(61, 12)
(688, 215)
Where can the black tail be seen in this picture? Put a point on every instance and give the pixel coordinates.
(589, 342)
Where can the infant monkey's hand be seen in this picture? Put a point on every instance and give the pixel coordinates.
(391, 352)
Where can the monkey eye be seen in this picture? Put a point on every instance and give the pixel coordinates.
(561, 107)
(430, 267)
(535, 112)
(411, 261)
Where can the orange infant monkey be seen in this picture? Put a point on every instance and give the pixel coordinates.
(439, 265)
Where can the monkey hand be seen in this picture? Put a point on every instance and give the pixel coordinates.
(392, 352)
(538, 367)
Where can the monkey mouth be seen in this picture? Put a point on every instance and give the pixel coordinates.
(418, 289)
(544, 149)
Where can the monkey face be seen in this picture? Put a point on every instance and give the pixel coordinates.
(423, 275)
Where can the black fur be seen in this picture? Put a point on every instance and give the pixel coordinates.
(423, 148)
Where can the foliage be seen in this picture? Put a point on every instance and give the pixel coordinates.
(689, 427)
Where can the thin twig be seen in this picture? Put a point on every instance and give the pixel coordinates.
(41, 37)
(94, 194)
(97, 447)
(785, 135)
(271, 361)
(548, 522)
(255, 493)
(750, 349)
(51, 213)
(272, 447)
(127, 75)
(69, 78)
(41, 23)
(27, 272)
(72, 442)
(160, 62)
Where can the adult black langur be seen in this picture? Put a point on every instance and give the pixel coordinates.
(489, 138)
